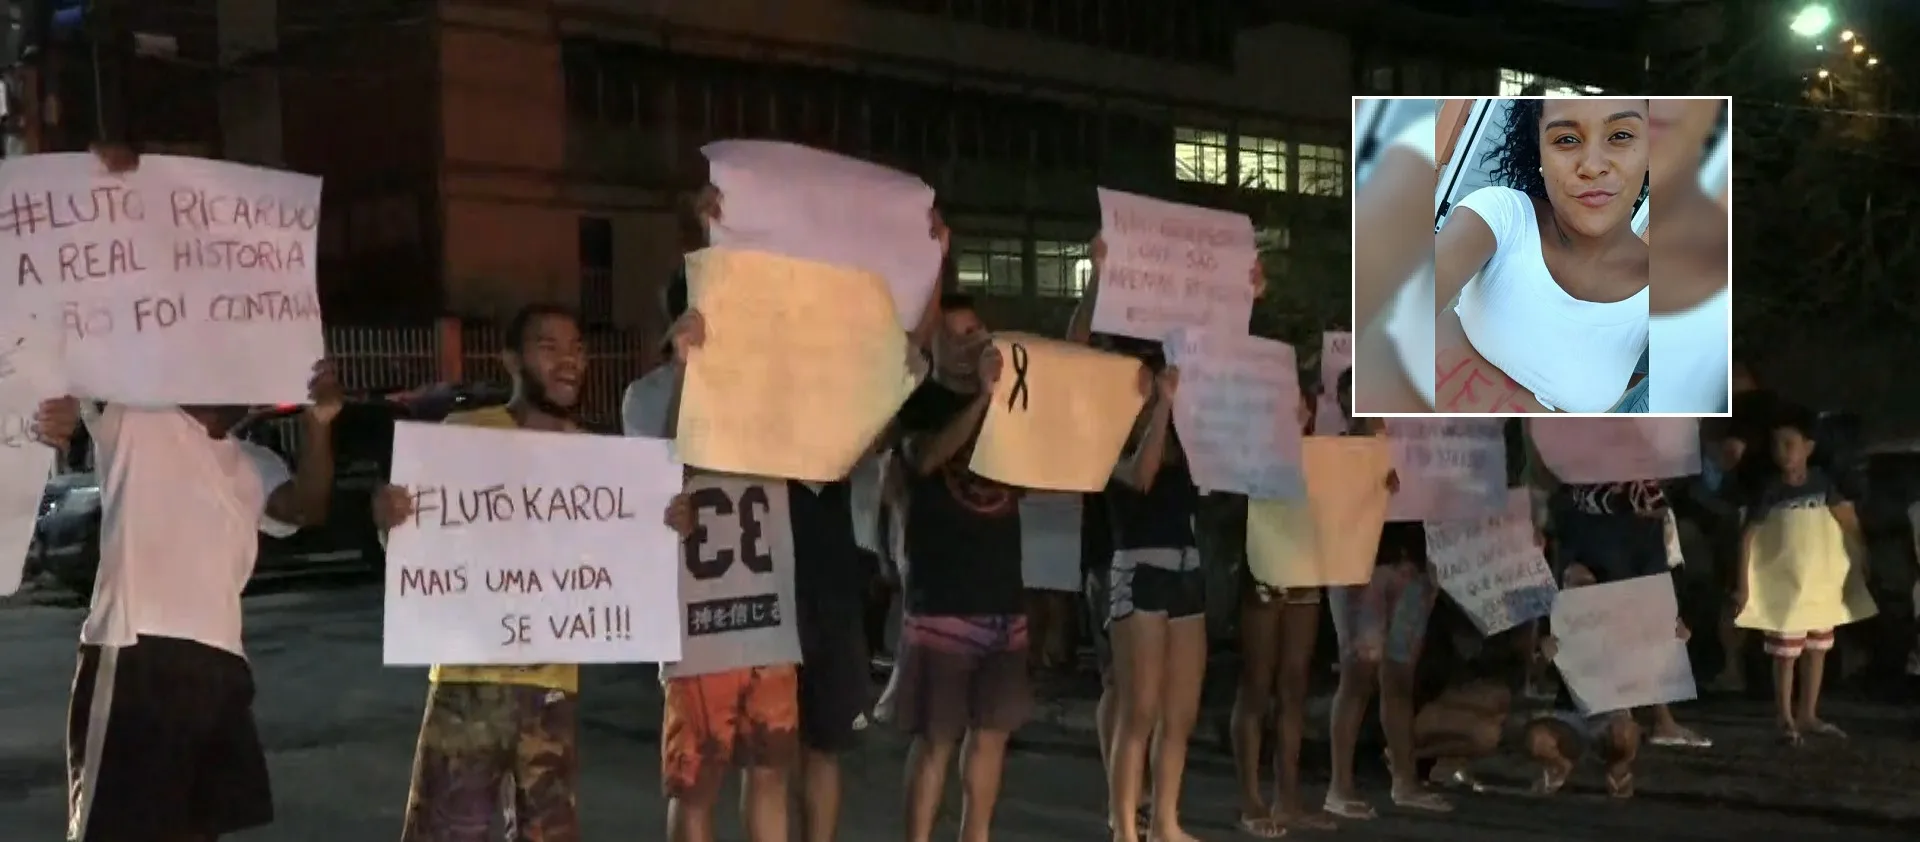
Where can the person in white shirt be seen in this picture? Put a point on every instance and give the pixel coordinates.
(1549, 276)
(160, 650)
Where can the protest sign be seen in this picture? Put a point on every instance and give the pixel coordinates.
(29, 374)
(1491, 566)
(1050, 542)
(1336, 356)
(183, 282)
(1060, 415)
(643, 408)
(1170, 266)
(802, 366)
(1616, 449)
(1237, 412)
(1802, 575)
(826, 208)
(1449, 468)
(531, 548)
(1619, 646)
(736, 580)
(1332, 536)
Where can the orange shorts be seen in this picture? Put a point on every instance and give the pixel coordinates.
(722, 721)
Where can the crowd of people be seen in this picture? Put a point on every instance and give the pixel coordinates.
(161, 655)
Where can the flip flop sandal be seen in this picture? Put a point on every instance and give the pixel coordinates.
(1430, 802)
(1458, 778)
(1550, 782)
(1620, 787)
(1684, 738)
(1262, 827)
(1348, 808)
(1791, 737)
(1827, 729)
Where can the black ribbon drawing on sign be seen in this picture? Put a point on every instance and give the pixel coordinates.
(1019, 392)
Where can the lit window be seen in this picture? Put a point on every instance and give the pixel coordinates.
(1323, 170)
(1514, 82)
(1263, 163)
(1061, 270)
(989, 267)
(1200, 156)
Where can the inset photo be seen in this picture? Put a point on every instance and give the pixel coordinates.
(1549, 287)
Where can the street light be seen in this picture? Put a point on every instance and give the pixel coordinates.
(1846, 35)
(1811, 21)
(1824, 74)
(1859, 48)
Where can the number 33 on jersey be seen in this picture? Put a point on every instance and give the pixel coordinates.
(736, 577)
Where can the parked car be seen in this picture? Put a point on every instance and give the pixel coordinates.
(67, 534)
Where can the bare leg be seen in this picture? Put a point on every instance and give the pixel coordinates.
(1139, 659)
(1813, 671)
(927, 762)
(982, 760)
(1299, 629)
(1396, 722)
(820, 796)
(1260, 644)
(763, 804)
(1357, 679)
(1783, 670)
(690, 818)
(1186, 666)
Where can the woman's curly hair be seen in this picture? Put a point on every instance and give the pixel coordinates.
(1516, 158)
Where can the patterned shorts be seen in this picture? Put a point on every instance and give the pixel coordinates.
(723, 721)
(1385, 619)
(480, 741)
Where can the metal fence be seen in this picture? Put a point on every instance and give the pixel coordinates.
(380, 358)
(615, 358)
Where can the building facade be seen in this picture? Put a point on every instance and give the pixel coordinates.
(480, 154)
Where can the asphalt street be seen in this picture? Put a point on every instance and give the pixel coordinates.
(340, 732)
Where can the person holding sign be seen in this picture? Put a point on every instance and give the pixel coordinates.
(487, 725)
(162, 736)
(1157, 611)
(817, 571)
(1796, 577)
(1278, 630)
(1617, 530)
(963, 653)
(1381, 626)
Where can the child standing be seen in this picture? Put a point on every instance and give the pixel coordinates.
(1797, 580)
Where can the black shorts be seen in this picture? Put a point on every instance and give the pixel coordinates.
(836, 684)
(161, 744)
(1615, 546)
(1142, 588)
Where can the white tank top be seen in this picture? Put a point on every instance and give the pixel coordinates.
(1573, 355)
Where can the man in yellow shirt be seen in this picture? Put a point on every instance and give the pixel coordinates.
(486, 726)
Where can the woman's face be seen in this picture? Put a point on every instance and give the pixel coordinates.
(1593, 156)
(1677, 130)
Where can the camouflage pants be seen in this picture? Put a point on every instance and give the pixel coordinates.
(493, 756)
